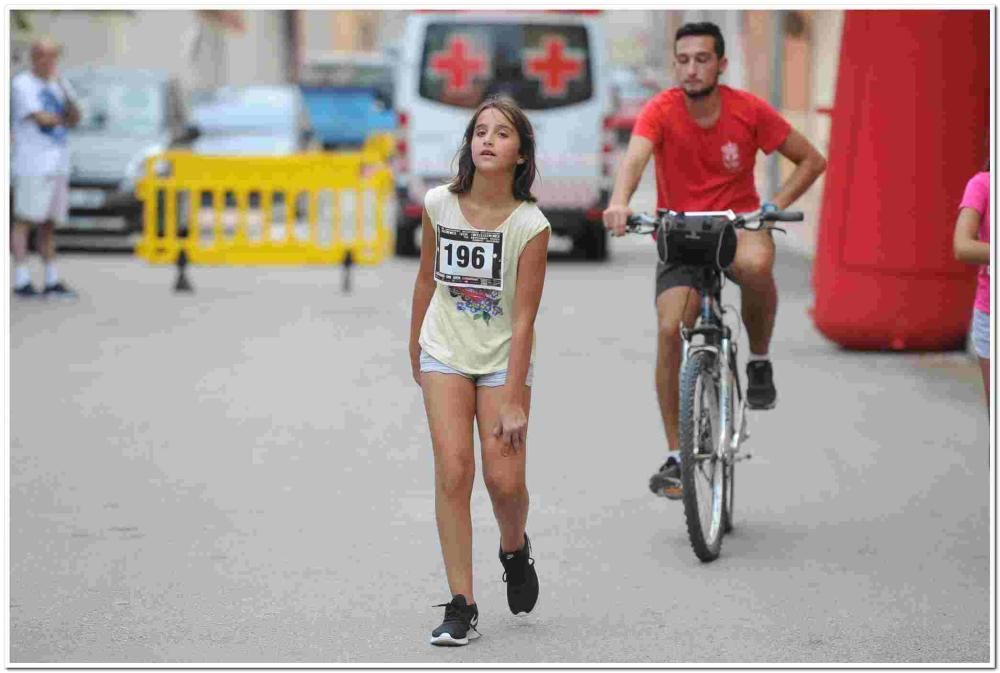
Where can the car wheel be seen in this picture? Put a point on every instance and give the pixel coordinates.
(591, 242)
(406, 230)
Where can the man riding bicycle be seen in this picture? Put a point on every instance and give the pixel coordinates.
(705, 138)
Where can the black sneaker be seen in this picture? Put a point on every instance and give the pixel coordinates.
(667, 480)
(760, 385)
(459, 625)
(521, 578)
(59, 291)
(26, 291)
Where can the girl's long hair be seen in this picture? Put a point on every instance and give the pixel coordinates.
(524, 173)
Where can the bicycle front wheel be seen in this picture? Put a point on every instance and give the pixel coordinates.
(729, 469)
(729, 493)
(702, 466)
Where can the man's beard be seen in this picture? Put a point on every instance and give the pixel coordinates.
(702, 93)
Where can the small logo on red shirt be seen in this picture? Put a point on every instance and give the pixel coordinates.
(731, 156)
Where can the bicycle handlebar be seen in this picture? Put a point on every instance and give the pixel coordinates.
(643, 223)
(784, 216)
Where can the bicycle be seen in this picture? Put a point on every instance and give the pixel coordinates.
(713, 419)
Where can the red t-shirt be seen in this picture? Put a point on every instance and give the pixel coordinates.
(709, 169)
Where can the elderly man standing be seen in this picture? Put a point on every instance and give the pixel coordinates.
(43, 108)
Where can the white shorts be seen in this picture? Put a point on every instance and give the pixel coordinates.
(41, 198)
(981, 333)
(491, 380)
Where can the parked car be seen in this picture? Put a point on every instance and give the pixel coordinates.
(126, 116)
(252, 120)
(349, 97)
(553, 64)
(258, 120)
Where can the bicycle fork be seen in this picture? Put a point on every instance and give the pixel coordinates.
(739, 423)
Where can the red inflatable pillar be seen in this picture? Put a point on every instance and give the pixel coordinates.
(910, 127)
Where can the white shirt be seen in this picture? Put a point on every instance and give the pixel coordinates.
(37, 151)
(468, 324)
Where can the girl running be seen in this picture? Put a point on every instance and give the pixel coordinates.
(482, 267)
(972, 245)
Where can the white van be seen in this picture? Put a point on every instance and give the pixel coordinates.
(553, 64)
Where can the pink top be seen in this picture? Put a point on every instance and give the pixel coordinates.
(977, 197)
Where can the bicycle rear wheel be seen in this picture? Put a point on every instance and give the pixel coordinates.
(701, 460)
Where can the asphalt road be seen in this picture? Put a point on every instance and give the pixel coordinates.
(244, 475)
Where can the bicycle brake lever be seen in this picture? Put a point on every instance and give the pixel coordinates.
(778, 229)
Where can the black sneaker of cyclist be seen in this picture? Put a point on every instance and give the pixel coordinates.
(521, 578)
(459, 625)
(667, 480)
(760, 385)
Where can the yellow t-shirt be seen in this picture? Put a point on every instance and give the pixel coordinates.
(468, 323)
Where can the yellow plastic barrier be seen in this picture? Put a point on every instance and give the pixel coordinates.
(240, 210)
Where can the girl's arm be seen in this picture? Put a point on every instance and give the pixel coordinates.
(513, 422)
(968, 247)
(423, 290)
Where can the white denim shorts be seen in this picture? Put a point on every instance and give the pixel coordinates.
(981, 333)
(491, 380)
(41, 198)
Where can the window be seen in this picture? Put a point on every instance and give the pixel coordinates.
(540, 66)
(109, 105)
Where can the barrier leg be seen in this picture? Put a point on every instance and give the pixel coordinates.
(182, 284)
(348, 264)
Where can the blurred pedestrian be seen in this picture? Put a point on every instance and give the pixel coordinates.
(705, 137)
(972, 245)
(478, 287)
(43, 107)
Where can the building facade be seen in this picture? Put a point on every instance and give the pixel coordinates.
(203, 48)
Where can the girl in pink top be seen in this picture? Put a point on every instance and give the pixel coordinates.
(972, 245)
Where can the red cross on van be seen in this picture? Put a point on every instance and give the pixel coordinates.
(554, 65)
(458, 64)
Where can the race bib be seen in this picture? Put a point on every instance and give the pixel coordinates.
(469, 258)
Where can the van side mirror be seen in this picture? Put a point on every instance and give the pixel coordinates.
(383, 98)
(188, 135)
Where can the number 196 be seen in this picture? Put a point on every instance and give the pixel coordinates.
(478, 256)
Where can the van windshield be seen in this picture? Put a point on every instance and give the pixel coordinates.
(541, 66)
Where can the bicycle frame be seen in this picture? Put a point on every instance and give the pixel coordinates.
(718, 339)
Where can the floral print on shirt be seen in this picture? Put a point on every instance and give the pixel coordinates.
(480, 304)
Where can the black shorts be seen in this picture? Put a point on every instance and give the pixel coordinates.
(675, 275)
(678, 275)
